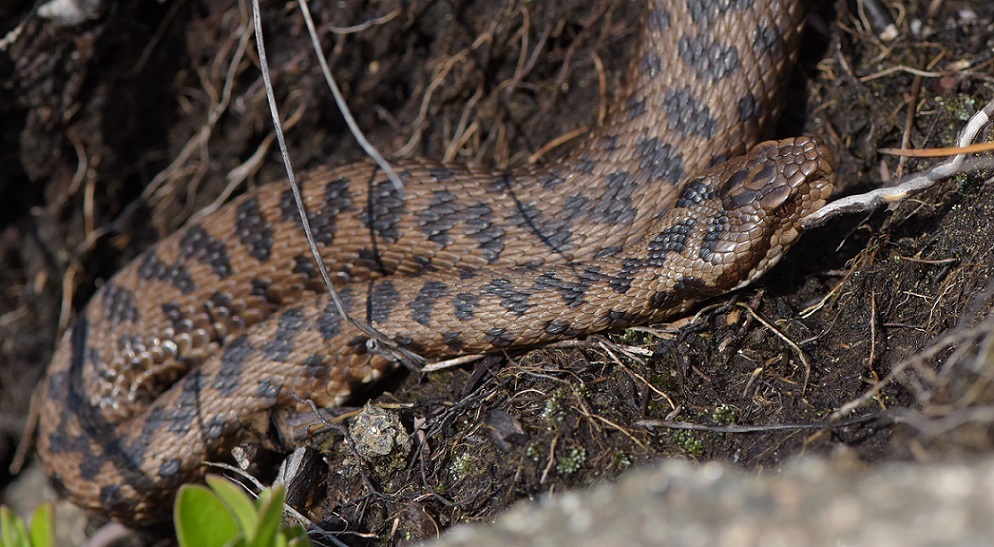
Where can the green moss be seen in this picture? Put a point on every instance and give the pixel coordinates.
(461, 465)
(533, 452)
(555, 411)
(724, 415)
(572, 461)
(690, 442)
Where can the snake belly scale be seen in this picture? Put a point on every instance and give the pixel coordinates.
(189, 349)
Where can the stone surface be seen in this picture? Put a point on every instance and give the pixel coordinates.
(812, 502)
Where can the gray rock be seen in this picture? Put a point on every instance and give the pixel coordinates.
(812, 502)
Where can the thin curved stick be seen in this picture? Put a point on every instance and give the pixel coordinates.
(911, 184)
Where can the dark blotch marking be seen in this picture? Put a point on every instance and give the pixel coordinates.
(770, 41)
(221, 300)
(419, 264)
(58, 485)
(386, 211)
(694, 192)
(57, 387)
(337, 199)
(553, 231)
(370, 259)
(607, 252)
(651, 64)
(692, 286)
(269, 391)
(660, 162)
(663, 300)
(614, 206)
(202, 247)
(253, 230)
(172, 312)
(672, 239)
(465, 305)
(657, 21)
(717, 226)
(119, 304)
(635, 107)
(112, 498)
(550, 182)
(688, 115)
(182, 415)
(511, 299)
(440, 174)
(280, 344)
(559, 327)
(444, 212)
(488, 234)
(572, 292)
(151, 267)
(216, 427)
(89, 468)
(706, 12)
(585, 166)
(439, 217)
(424, 304)
(622, 282)
(499, 338)
(303, 264)
(736, 195)
(382, 299)
(261, 288)
(316, 367)
(750, 108)
(233, 360)
(710, 59)
(453, 340)
(170, 469)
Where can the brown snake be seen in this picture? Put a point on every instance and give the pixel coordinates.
(189, 349)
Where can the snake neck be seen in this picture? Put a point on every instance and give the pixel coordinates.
(718, 95)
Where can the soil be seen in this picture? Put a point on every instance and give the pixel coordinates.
(116, 131)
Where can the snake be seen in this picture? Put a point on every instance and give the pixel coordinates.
(195, 345)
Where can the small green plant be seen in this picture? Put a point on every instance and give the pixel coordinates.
(690, 442)
(572, 461)
(724, 414)
(15, 533)
(555, 411)
(461, 465)
(224, 516)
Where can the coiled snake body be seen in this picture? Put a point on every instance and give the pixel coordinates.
(188, 350)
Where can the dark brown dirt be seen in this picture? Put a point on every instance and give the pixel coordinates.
(100, 157)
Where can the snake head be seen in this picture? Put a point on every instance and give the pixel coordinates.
(753, 205)
(777, 184)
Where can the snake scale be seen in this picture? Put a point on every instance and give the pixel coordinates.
(191, 348)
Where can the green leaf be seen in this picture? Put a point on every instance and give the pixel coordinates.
(270, 517)
(296, 535)
(202, 520)
(43, 526)
(13, 533)
(237, 502)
